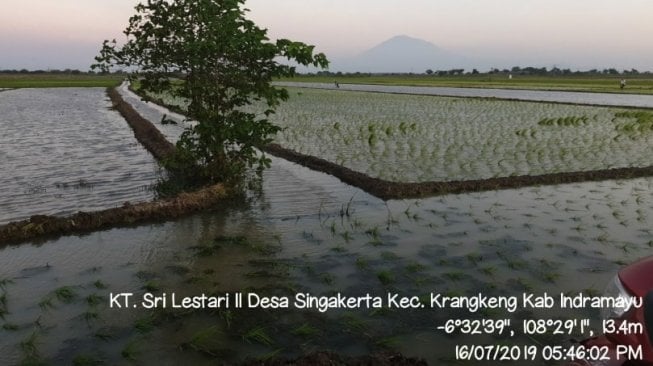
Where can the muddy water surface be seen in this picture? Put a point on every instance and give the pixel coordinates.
(63, 150)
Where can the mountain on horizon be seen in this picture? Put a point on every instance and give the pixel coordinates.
(402, 54)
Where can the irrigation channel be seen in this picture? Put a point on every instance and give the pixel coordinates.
(584, 98)
(305, 231)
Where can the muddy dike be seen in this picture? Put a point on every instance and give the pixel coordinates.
(144, 131)
(127, 215)
(387, 190)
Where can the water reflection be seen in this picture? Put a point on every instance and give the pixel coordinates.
(601, 99)
(62, 151)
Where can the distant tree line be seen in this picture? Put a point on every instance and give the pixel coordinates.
(57, 72)
(516, 70)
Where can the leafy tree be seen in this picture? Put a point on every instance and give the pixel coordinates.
(208, 53)
(429, 72)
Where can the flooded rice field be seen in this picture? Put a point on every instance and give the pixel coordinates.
(63, 150)
(306, 232)
(598, 99)
(416, 138)
(411, 138)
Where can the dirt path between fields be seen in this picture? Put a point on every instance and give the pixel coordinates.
(396, 190)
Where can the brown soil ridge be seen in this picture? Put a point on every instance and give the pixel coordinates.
(127, 215)
(396, 190)
(146, 133)
(333, 359)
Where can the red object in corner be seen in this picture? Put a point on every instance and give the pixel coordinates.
(637, 279)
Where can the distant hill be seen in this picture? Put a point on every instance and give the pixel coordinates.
(402, 54)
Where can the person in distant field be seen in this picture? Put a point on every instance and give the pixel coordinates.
(622, 84)
(336, 83)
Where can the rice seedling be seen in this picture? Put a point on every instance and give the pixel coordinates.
(10, 327)
(30, 351)
(388, 342)
(333, 228)
(592, 292)
(46, 303)
(195, 279)
(103, 335)
(339, 249)
(474, 258)
(551, 276)
(4, 282)
(389, 256)
(37, 322)
(65, 294)
(151, 286)
(353, 323)
(99, 285)
(145, 275)
(454, 276)
(327, 278)
(131, 350)
(3, 305)
(258, 335)
(603, 238)
(373, 232)
(415, 267)
(356, 224)
(85, 360)
(94, 300)
(91, 316)
(385, 277)
(527, 286)
(363, 264)
(270, 355)
(144, 324)
(490, 271)
(305, 330)
(228, 317)
(407, 212)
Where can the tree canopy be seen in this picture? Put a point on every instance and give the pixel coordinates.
(208, 53)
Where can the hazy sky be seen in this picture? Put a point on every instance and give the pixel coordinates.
(568, 33)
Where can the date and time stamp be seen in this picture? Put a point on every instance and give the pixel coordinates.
(534, 327)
